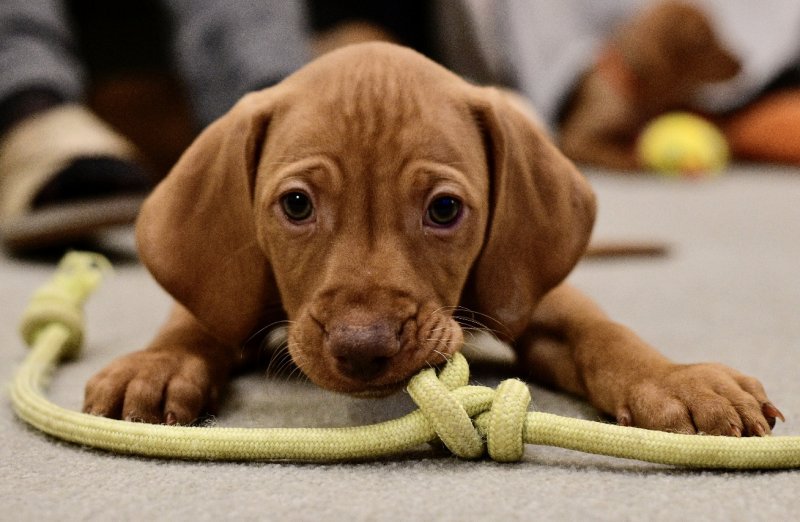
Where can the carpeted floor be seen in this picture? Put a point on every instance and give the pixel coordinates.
(729, 291)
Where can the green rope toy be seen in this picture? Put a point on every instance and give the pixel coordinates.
(467, 419)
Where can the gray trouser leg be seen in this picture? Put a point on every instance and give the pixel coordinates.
(224, 49)
(37, 49)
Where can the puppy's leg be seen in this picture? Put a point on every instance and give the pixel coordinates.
(601, 151)
(600, 126)
(573, 345)
(174, 380)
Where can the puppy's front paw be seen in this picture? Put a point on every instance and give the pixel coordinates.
(700, 398)
(169, 386)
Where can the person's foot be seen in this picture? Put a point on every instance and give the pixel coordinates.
(91, 178)
(64, 176)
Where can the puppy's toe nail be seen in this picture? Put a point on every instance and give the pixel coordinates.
(771, 413)
(759, 430)
(170, 419)
(624, 417)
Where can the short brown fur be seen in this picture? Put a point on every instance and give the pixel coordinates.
(371, 133)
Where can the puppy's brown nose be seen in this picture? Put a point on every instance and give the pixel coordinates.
(363, 352)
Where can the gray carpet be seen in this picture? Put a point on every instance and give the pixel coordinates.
(729, 291)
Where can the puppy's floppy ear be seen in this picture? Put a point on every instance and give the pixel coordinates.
(541, 215)
(196, 232)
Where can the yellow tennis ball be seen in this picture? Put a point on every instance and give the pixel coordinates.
(681, 143)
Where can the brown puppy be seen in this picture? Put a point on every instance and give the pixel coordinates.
(364, 198)
(655, 63)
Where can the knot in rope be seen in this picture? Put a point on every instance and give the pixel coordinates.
(449, 405)
(61, 300)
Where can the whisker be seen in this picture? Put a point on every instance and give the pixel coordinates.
(279, 354)
(293, 363)
(296, 373)
(445, 357)
(475, 313)
(270, 326)
(471, 344)
(286, 362)
(470, 321)
(465, 329)
(439, 340)
(466, 316)
(479, 327)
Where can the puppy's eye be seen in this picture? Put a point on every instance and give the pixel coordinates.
(444, 211)
(297, 206)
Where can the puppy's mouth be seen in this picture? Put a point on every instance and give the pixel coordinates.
(375, 358)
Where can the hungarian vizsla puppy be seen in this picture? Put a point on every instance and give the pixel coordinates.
(656, 62)
(363, 199)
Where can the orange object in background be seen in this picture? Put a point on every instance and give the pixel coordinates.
(768, 129)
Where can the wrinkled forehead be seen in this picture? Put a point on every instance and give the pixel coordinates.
(378, 119)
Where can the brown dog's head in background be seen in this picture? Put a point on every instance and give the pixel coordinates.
(366, 197)
(672, 49)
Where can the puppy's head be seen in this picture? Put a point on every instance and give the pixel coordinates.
(673, 45)
(368, 195)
